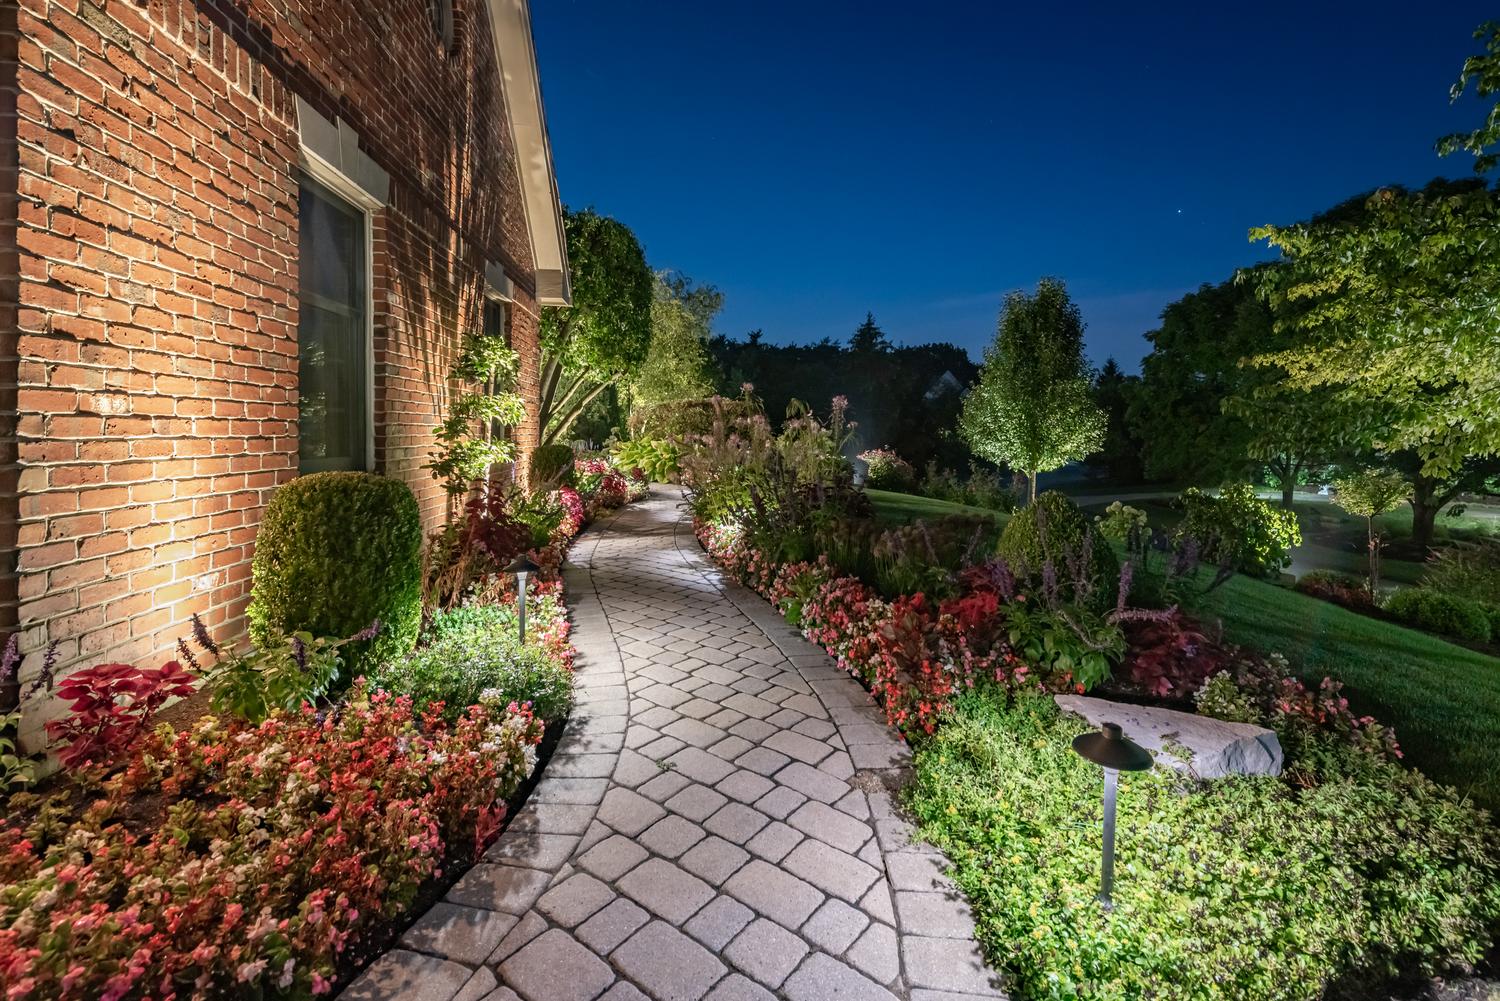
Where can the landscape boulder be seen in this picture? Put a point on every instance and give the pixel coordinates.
(1213, 748)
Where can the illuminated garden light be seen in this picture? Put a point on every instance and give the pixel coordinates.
(523, 567)
(1115, 753)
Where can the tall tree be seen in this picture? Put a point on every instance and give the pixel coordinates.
(1120, 454)
(1394, 299)
(868, 337)
(604, 336)
(1032, 408)
(678, 366)
(1483, 71)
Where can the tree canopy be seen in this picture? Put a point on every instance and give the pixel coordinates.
(1033, 408)
(605, 335)
(869, 337)
(1393, 299)
(1483, 71)
(678, 366)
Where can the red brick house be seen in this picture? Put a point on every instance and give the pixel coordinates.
(241, 239)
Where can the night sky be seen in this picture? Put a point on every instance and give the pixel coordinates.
(817, 160)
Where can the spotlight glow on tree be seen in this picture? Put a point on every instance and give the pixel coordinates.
(1369, 494)
(1031, 408)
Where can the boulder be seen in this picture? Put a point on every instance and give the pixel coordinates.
(1201, 746)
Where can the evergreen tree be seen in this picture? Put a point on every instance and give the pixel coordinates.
(869, 338)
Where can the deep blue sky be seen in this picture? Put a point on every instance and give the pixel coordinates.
(815, 160)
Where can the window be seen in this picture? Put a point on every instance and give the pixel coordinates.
(334, 419)
(441, 13)
(497, 324)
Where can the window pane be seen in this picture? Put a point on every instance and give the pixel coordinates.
(333, 417)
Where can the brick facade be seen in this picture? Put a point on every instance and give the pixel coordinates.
(149, 345)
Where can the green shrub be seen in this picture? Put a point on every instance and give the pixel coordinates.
(1054, 530)
(1239, 528)
(1467, 569)
(1437, 612)
(656, 457)
(1238, 889)
(984, 489)
(885, 470)
(473, 655)
(1120, 520)
(551, 467)
(335, 552)
(924, 556)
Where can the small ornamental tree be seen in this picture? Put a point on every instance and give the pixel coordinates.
(471, 439)
(1369, 494)
(1033, 408)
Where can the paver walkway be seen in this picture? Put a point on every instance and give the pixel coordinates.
(714, 824)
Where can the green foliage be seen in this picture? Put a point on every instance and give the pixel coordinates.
(1033, 408)
(1067, 643)
(1053, 531)
(1483, 71)
(903, 397)
(283, 673)
(1391, 300)
(1240, 529)
(1443, 700)
(16, 769)
(551, 467)
(1370, 493)
(1120, 520)
(335, 552)
(656, 457)
(605, 335)
(922, 557)
(472, 656)
(468, 442)
(1441, 613)
(1466, 569)
(677, 365)
(885, 470)
(1239, 889)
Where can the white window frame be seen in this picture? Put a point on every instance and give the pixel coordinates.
(335, 180)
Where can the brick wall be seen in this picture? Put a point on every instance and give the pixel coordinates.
(155, 236)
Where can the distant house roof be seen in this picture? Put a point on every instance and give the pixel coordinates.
(943, 385)
(510, 20)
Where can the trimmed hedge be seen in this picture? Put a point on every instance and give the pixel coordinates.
(1445, 614)
(336, 551)
(1053, 528)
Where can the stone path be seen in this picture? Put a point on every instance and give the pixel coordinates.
(715, 822)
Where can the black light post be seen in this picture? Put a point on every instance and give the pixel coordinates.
(523, 567)
(1115, 753)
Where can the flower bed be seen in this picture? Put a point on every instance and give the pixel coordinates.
(1394, 873)
(269, 856)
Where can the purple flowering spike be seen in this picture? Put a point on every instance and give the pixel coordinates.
(200, 633)
(368, 633)
(299, 652)
(187, 653)
(10, 659)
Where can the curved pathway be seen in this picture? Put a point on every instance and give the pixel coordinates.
(716, 822)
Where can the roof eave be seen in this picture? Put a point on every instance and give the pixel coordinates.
(515, 49)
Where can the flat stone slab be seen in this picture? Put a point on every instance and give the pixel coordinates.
(1218, 748)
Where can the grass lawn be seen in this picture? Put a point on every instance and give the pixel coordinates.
(899, 509)
(1443, 700)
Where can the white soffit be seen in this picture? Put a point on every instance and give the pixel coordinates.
(331, 153)
(510, 20)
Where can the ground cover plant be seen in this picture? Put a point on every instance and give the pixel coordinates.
(1394, 873)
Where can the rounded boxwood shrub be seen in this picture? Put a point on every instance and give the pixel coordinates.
(336, 551)
(1437, 612)
(1054, 529)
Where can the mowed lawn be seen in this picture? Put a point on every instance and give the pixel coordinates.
(1443, 700)
(896, 508)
